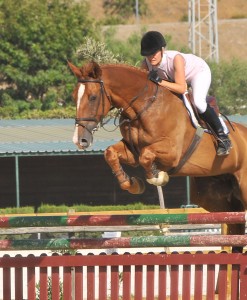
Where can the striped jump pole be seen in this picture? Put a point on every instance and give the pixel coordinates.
(121, 220)
(124, 242)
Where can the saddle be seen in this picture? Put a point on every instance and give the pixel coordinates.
(211, 100)
(195, 116)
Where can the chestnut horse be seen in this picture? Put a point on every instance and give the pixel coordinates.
(158, 135)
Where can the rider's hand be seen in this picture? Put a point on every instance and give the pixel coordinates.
(153, 76)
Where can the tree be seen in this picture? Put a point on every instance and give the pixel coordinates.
(37, 38)
(229, 86)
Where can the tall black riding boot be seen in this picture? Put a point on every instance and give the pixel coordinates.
(224, 143)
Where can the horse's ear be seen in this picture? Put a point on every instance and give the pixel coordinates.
(75, 70)
(96, 71)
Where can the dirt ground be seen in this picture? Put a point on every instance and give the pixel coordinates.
(166, 18)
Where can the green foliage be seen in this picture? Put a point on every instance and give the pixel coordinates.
(128, 50)
(229, 86)
(184, 18)
(229, 83)
(48, 208)
(120, 10)
(17, 210)
(239, 16)
(49, 289)
(37, 38)
(91, 49)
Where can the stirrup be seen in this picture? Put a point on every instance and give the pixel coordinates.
(224, 146)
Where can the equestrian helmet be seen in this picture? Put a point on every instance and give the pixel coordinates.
(151, 42)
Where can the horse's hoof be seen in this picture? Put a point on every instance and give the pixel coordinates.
(137, 186)
(162, 179)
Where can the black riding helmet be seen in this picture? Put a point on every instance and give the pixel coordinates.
(151, 42)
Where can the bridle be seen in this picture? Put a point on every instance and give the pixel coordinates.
(103, 93)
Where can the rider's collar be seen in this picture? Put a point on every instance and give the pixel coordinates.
(163, 62)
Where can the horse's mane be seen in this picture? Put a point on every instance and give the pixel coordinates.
(88, 67)
(122, 65)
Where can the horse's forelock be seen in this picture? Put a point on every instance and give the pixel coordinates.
(92, 70)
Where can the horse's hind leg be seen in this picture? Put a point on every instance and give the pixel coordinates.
(118, 154)
(218, 194)
(242, 179)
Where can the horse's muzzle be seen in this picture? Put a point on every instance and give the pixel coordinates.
(82, 138)
(84, 143)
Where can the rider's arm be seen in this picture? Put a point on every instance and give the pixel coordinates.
(180, 85)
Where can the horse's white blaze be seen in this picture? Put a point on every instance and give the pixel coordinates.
(80, 94)
(75, 136)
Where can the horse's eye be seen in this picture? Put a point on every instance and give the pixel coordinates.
(92, 98)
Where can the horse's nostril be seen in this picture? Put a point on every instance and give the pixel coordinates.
(84, 143)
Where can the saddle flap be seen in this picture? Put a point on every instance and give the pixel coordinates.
(211, 100)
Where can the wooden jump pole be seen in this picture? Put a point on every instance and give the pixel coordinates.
(120, 220)
(124, 242)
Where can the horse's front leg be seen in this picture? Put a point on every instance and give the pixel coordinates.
(162, 152)
(117, 154)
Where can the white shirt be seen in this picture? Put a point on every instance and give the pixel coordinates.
(193, 65)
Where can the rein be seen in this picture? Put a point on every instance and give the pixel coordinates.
(150, 102)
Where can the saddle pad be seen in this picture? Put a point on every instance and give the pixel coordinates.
(193, 117)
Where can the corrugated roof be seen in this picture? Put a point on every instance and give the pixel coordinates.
(49, 136)
(54, 137)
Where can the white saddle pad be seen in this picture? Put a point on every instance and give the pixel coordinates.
(194, 119)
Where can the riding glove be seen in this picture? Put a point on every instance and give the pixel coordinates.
(153, 76)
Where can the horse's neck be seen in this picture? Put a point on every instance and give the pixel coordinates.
(140, 99)
(127, 86)
(169, 117)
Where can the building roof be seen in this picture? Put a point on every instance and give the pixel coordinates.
(49, 137)
(54, 137)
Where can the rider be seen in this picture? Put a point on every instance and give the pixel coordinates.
(173, 70)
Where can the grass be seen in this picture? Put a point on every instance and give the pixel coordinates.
(47, 208)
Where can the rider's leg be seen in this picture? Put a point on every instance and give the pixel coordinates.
(224, 143)
(200, 86)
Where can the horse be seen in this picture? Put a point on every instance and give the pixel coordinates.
(158, 135)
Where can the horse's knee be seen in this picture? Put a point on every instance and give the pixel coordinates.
(110, 154)
(146, 157)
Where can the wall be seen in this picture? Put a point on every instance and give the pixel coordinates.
(76, 179)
